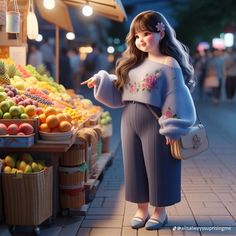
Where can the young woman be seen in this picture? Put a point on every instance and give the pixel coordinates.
(154, 70)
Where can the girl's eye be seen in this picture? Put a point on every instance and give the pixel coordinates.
(136, 36)
(146, 33)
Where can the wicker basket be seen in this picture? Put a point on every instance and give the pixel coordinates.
(74, 156)
(28, 197)
(72, 198)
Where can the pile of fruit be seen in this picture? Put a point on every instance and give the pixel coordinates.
(29, 93)
(53, 120)
(23, 163)
(15, 129)
(105, 118)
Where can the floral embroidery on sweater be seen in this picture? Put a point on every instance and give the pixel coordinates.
(169, 114)
(148, 83)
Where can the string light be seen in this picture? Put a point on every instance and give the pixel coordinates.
(49, 4)
(87, 10)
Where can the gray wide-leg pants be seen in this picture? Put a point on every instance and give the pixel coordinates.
(151, 173)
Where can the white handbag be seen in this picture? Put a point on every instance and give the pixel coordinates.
(190, 144)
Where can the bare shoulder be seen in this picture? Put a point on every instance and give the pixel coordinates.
(171, 62)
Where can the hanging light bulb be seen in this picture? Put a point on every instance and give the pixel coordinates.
(39, 38)
(70, 36)
(87, 10)
(49, 4)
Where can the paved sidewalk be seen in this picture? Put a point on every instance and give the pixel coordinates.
(208, 205)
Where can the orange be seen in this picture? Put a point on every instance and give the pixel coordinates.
(61, 117)
(65, 126)
(42, 118)
(44, 127)
(52, 121)
(30, 110)
(50, 111)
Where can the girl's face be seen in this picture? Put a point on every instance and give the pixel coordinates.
(147, 41)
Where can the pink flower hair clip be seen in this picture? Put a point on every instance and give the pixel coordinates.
(160, 27)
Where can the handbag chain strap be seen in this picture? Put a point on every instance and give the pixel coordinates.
(153, 112)
(157, 117)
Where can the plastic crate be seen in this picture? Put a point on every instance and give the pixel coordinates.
(17, 140)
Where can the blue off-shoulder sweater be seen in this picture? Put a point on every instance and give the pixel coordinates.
(155, 84)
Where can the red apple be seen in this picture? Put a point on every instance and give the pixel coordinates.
(12, 129)
(3, 129)
(26, 128)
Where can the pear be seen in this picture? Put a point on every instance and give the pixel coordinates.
(7, 169)
(28, 169)
(35, 167)
(40, 166)
(14, 170)
(22, 166)
(9, 161)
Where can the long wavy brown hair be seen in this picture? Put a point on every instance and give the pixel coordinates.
(169, 45)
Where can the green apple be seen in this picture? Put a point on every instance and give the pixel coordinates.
(14, 111)
(1, 113)
(22, 109)
(103, 121)
(4, 105)
(106, 113)
(7, 115)
(24, 116)
(108, 119)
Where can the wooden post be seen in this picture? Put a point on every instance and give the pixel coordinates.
(57, 53)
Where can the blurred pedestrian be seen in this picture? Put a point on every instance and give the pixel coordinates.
(65, 70)
(48, 56)
(75, 67)
(95, 61)
(154, 70)
(230, 75)
(214, 75)
(35, 56)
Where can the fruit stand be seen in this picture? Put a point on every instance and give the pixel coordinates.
(45, 127)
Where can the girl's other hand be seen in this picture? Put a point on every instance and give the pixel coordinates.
(90, 82)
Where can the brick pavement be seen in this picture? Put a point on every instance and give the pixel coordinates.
(208, 191)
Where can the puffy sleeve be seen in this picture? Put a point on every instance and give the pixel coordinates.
(178, 110)
(105, 91)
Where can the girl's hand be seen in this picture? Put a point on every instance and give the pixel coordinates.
(170, 141)
(90, 82)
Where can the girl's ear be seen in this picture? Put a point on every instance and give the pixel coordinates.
(162, 34)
